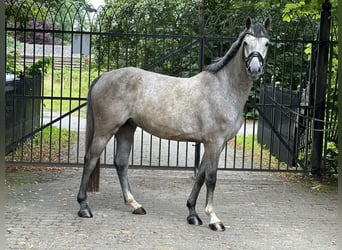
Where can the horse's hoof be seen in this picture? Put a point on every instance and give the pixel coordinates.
(85, 213)
(194, 220)
(217, 226)
(140, 211)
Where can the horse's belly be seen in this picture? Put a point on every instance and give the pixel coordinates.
(185, 125)
(170, 128)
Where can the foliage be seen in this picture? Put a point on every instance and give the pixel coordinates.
(302, 8)
(39, 67)
(152, 46)
(332, 157)
(12, 63)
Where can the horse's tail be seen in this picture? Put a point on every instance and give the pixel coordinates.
(90, 118)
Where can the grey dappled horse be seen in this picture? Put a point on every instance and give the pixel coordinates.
(206, 108)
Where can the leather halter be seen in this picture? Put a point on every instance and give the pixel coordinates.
(256, 54)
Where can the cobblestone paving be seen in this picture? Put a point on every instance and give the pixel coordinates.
(260, 211)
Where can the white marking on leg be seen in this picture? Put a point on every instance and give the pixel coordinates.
(132, 202)
(209, 210)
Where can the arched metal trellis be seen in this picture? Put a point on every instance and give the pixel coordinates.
(70, 45)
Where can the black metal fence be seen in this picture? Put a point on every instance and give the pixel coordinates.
(73, 44)
(277, 127)
(22, 109)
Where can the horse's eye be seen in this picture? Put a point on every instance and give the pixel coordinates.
(245, 43)
(267, 43)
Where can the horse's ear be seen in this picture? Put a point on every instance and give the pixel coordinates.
(248, 22)
(267, 23)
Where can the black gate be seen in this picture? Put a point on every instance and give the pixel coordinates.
(73, 44)
(278, 126)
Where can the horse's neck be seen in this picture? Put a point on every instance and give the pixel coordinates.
(235, 78)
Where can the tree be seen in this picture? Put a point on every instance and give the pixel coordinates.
(143, 34)
(51, 16)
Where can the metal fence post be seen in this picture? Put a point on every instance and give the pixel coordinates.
(320, 89)
(200, 68)
(3, 187)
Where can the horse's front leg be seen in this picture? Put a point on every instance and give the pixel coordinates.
(210, 181)
(207, 173)
(213, 153)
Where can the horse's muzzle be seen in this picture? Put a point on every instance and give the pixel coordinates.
(255, 65)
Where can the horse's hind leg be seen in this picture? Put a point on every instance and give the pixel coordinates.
(124, 139)
(90, 160)
(193, 217)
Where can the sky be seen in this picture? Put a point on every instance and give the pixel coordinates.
(96, 3)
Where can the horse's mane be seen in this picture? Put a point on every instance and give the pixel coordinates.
(221, 62)
(257, 30)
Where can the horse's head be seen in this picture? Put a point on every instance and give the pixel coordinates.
(255, 46)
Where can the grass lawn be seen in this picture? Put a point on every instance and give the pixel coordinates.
(64, 88)
(248, 146)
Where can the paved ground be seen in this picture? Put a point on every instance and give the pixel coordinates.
(260, 211)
